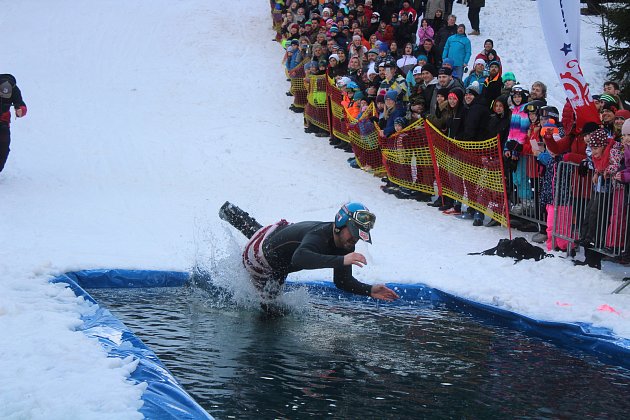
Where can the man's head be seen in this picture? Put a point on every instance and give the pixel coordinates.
(445, 75)
(538, 91)
(353, 221)
(493, 68)
(608, 108)
(428, 72)
(611, 87)
(461, 29)
(451, 20)
(417, 74)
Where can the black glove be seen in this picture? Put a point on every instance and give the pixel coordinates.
(583, 168)
(465, 69)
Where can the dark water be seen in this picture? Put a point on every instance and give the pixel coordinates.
(338, 359)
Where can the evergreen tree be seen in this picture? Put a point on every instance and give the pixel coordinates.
(616, 32)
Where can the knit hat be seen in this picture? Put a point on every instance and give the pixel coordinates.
(494, 63)
(480, 61)
(622, 113)
(509, 76)
(448, 61)
(609, 102)
(322, 63)
(442, 92)
(445, 70)
(373, 51)
(473, 88)
(334, 29)
(358, 96)
(416, 99)
(391, 94)
(598, 138)
(401, 121)
(343, 81)
(335, 56)
(356, 37)
(625, 128)
(458, 93)
(430, 68)
(380, 98)
(383, 47)
(423, 57)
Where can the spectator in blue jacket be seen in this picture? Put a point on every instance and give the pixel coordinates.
(458, 48)
(477, 75)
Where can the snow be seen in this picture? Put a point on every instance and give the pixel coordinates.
(144, 117)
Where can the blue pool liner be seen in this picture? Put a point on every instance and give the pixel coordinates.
(164, 397)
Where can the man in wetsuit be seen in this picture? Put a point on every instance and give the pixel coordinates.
(275, 251)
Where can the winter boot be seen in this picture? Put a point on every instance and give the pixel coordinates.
(239, 219)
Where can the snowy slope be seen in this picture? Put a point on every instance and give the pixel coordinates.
(144, 117)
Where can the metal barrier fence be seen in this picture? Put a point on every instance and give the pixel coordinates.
(524, 183)
(589, 211)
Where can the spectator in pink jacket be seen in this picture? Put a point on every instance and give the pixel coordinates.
(424, 32)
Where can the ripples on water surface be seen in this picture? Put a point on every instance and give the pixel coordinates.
(345, 359)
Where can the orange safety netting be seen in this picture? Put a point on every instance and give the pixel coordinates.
(407, 158)
(338, 119)
(316, 108)
(470, 172)
(364, 139)
(298, 89)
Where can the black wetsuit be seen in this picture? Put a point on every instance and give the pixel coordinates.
(308, 246)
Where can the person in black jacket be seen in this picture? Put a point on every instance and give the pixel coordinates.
(10, 96)
(444, 33)
(477, 114)
(493, 84)
(499, 122)
(276, 250)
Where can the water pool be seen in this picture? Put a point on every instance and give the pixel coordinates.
(347, 359)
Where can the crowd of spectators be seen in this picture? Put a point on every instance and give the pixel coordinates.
(417, 63)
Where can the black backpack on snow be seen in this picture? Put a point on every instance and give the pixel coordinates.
(517, 248)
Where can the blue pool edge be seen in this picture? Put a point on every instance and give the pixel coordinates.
(165, 398)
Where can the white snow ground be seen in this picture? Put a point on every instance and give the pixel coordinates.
(144, 117)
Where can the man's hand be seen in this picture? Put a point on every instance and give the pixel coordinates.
(355, 258)
(380, 291)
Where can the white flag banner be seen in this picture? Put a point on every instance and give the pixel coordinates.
(560, 21)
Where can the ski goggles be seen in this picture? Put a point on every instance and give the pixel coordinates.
(363, 219)
(531, 108)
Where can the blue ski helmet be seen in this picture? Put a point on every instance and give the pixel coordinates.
(357, 218)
